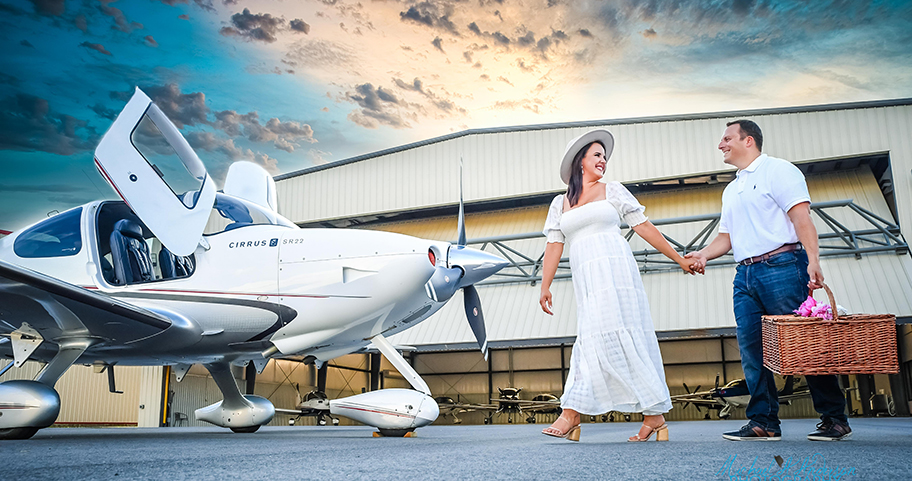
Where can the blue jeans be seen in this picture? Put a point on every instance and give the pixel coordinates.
(776, 286)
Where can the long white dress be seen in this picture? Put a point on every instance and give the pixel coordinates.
(615, 363)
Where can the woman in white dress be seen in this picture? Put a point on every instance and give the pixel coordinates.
(615, 364)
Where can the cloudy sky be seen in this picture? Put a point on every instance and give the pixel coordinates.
(294, 83)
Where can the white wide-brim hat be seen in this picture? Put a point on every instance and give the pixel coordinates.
(578, 143)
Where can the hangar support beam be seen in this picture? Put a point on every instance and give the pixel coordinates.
(876, 236)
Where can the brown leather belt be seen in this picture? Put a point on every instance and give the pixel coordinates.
(764, 257)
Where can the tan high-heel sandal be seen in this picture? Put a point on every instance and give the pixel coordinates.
(572, 434)
(661, 433)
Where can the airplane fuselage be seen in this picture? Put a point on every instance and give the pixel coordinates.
(319, 292)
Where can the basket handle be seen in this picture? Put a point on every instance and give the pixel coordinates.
(832, 299)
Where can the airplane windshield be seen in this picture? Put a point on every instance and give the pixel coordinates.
(231, 213)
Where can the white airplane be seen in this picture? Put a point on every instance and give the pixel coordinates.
(83, 286)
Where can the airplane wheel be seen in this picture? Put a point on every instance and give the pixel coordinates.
(248, 429)
(321, 420)
(591, 419)
(604, 418)
(487, 420)
(17, 433)
(627, 418)
(335, 422)
(725, 417)
(611, 418)
(510, 420)
(530, 420)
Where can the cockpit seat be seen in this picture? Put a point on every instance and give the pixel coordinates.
(130, 254)
(172, 266)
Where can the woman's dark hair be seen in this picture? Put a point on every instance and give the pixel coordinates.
(575, 187)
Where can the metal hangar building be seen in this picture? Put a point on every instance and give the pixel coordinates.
(857, 159)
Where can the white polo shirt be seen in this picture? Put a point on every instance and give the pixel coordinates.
(755, 206)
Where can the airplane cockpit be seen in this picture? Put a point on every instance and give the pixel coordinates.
(130, 253)
(231, 213)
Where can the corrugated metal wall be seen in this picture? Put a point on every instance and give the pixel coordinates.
(463, 376)
(876, 283)
(510, 164)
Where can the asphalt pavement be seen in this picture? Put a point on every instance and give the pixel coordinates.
(879, 449)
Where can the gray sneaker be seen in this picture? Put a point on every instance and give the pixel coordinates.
(830, 430)
(752, 432)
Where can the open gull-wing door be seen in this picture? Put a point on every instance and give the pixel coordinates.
(153, 168)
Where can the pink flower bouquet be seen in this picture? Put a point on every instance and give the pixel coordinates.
(810, 308)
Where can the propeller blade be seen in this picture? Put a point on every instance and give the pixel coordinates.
(475, 317)
(717, 381)
(461, 239)
(686, 388)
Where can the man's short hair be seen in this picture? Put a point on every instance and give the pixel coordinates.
(749, 128)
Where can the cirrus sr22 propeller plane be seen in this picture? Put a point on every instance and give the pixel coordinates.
(82, 287)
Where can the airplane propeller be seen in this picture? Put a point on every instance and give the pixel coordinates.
(694, 392)
(482, 264)
(475, 317)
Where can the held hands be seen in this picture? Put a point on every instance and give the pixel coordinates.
(686, 265)
(698, 261)
(545, 301)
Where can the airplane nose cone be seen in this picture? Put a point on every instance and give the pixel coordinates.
(427, 413)
(477, 265)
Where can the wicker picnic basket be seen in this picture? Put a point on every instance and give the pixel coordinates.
(859, 344)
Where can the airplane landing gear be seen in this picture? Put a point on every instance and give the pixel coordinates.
(488, 419)
(321, 420)
(17, 433)
(395, 433)
(241, 413)
(247, 429)
(531, 419)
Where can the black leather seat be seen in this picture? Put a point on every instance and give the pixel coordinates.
(130, 254)
(172, 266)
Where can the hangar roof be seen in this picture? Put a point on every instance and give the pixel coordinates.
(517, 162)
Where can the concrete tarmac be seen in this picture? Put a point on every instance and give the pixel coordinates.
(879, 449)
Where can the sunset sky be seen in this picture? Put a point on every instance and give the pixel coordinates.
(294, 83)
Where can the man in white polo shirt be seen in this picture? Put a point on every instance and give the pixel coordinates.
(766, 222)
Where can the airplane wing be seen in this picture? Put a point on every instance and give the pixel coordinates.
(792, 397)
(301, 412)
(697, 400)
(528, 405)
(466, 407)
(57, 309)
